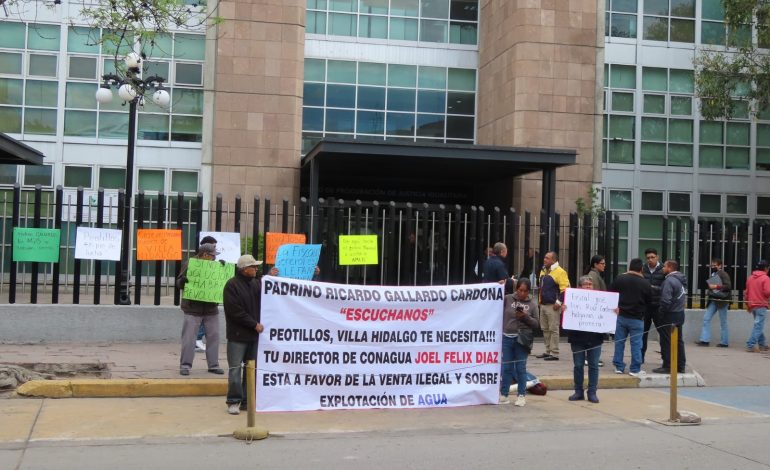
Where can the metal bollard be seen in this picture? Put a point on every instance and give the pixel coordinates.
(251, 432)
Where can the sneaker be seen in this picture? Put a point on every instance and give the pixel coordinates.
(520, 401)
(503, 400)
(637, 374)
(217, 370)
(586, 363)
(200, 346)
(601, 363)
(543, 356)
(244, 406)
(702, 343)
(618, 371)
(233, 409)
(661, 370)
(184, 371)
(720, 345)
(752, 349)
(551, 358)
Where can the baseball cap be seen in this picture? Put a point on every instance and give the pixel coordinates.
(247, 260)
(208, 248)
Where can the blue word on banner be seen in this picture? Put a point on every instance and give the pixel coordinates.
(297, 261)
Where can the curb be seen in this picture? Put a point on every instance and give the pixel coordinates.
(137, 388)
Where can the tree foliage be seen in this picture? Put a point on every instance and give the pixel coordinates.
(740, 72)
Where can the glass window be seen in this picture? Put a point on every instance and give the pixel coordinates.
(763, 205)
(434, 8)
(41, 93)
(400, 124)
(711, 132)
(653, 154)
(620, 200)
(737, 133)
(737, 158)
(80, 95)
(83, 40)
(75, 176)
(654, 129)
(433, 31)
(403, 28)
(340, 121)
(620, 152)
(112, 178)
(679, 130)
(82, 67)
(315, 70)
(315, 22)
(10, 120)
(460, 127)
(40, 121)
(153, 127)
(655, 28)
(654, 104)
(712, 33)
(11, 91)
(79, 123)
(682, 81)
(466, 10)
(313, 94)
(679, 155)
(621, 26)
(38, 174)
(341, 24)
(712, 10)
(461, 103)
(10, 62)
(186, 128)
(151, 180)
(462, 79)
(371, 73)
(656, 7)
(43, 37)
(621, 127)
(402, 75)
(679, 202)
(432, 77)
(711, 157)
(652, 201)
(373, 26)
(42, 65)
(371, 98)
(12, 34)
(160, 46)
(186, 101)
(189, 46)
(370, 122)
(463, 33)
(404, 7)
(7, 172)
(342, 71)
(401, 99)
(710, 203)
(430, 125)
(654, 79)
(341, 96)
(623, 102)
(682, 30)
(189, 74)
(681, 105)
(431, 101)
(623, 76)
(342, 5)
(312, 119)
(113, 125)
(374, 6)
(184, 181)
(736, 204)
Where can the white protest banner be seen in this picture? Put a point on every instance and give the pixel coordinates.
(97, 243)
(590, 310)
(334, 346)
(228, 245)
(90, 199)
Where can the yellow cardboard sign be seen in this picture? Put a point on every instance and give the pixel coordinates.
(358, 249)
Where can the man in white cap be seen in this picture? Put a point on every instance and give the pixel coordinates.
(242, 298)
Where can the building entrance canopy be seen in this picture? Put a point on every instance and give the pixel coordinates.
(16, 153)
(426, 172)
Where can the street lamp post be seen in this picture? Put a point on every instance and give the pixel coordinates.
(132, 90)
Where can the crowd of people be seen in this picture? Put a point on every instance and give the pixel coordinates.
(649, 293)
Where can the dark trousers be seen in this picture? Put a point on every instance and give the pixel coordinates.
(665, 347)
(238, 352)
(651, 316)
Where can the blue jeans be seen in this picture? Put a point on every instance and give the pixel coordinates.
(758, 332)
(580, 354)
(201, 332)
(632, 329)
(238, 352)
(711, 310)
(514, 363)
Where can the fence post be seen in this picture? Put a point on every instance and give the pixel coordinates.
(472, 246)
(218, 213)
(98, 263)
(512, 240)
(573, 248)
(496, 227)
(159, 264)
(544, 229)
(139, 211)
(391, 257)
(266, 224)
(588, 222)
(255, 230)
(678, 240)
(122, 262)
(555, 229)
(14, 223)
(285, 216)
(180, 226)
(664, 248)
(198, 220)
(691, 257)
(36, 224)
(76, 264)
(57, 225)
(615, 244)
(376, 225)
(237, 215)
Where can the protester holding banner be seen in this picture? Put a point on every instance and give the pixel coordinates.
(199, 345)
(635, 294)
(242, 299)
(520, 317)
(198, 313)
(595, 272)
(586, 349)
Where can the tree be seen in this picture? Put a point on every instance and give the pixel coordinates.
(728, 78)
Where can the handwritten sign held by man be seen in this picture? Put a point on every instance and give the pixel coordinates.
(297, 261)
(590, 310)
(206, 280)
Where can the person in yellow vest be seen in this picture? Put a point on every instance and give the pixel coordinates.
(553, 282)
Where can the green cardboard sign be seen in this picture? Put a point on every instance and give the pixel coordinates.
(206, 280)
(36, 244)
(358, 249)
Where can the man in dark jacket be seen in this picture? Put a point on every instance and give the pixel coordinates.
(718, 302)
(494, 269)
(634, 295)
(242, 299)
(197, 314)
(673, 294)
(653, 272)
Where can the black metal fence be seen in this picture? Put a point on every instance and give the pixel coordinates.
(418, 244)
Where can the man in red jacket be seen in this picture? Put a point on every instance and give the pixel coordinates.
(757, 295)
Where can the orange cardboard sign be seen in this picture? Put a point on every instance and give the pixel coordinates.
(274, 240)
(158, 244)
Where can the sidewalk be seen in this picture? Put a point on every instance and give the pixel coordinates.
(101, 368)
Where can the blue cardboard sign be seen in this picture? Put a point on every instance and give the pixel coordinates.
(297, 261)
